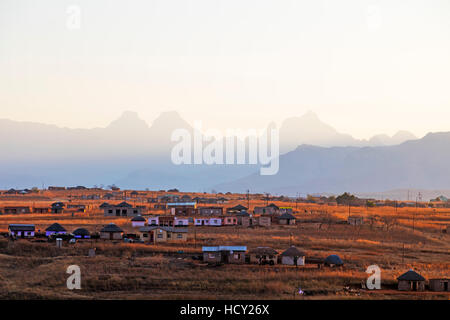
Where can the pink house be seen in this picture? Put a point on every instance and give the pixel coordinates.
(230, 221)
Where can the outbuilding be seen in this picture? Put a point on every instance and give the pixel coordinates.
(439, 285)
(224, 254)
(293, 257)
(138, 221)
(81, 233)
(55, 228)
(411, 281)
(263, 255)
(333, 261)
(111, 232)
(21, 230)
(286, 219)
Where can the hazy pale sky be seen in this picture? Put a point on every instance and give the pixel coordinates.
(365, 67)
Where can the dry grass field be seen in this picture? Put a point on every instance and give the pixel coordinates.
(397, 240)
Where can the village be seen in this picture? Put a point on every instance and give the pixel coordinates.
(316, 236)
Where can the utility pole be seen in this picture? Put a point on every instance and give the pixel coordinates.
(248, 199)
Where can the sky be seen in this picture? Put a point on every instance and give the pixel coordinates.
(365, 67)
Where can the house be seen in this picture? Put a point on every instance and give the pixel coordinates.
(153, 221)
(122, 209)
(160, 206)
(53, 188)
(236, 209)
(263, 255)
(55, 228)
(293, 257)
(222, 200)
(242, 216)
(111, 232)
(411, 281)
(41, 210)
(16, 210)
(286, 219)
(183, 208)
(264, 221)
(270, 210)
(230, 221)
(355, 220)
(333, 261)
(166, 221)
(81, 233)
(248, 221)
(134, 194)
(108, 196)
(186, 198)
(21, 230)
(138, 221)
(224, 254)
(211, 211)
(284, 210)
(180, 222)
(439, 284)
(208, 222)
(57, 207)
(154, 234)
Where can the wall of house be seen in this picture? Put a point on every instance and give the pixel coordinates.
(136, 224)
(438, 285)
(408, 285)
(212, 257)
(255, 258)
(290, 261)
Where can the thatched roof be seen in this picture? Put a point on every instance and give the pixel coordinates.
(263, 250)
(138, 218)
(21, 227)
(111, 228)
(287, 216)
(333, 259)
(411, 275)
(81, 232)
(293, 252)
(56, 227)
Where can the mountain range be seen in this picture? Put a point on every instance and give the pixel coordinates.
(132, 154)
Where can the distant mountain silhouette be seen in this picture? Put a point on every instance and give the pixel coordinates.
(420, 163)
(309, 129)
(132, 153)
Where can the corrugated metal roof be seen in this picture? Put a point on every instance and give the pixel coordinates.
(224, 248)
(174, 204)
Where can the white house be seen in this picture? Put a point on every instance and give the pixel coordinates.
(153, 221)
(208, 221)
(181, 222)
(138, 221)
(293, 257)
(21, 230)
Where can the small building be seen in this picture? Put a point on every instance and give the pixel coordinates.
(77, 207)
(236, 209)
(183, 208)
(411, 281)
(154, 234)
(210, 211)
(215, 222)
(57, 207)
(248, 221)
(263, 255)
(224, 254)
(286, 219)
(180, 222)
(21, 230)
(230, 221)
(355, 220)
(16, 210)
(122, 209)
(293, 257)
(153, 221)
(284, 210)
(242, 216)
(81, 233)
(333, 261)
(166, 221)
(269, 210)
(55, 228)
(41, 210)
(439, 285)
(138, 221)
(111, 232)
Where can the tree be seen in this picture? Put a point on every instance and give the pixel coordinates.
(345, 198)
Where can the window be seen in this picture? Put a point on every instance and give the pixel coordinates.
(110, 211)
(211, 256)
(169, 235)
(179, 236)
(160, 236)
(145, 235)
